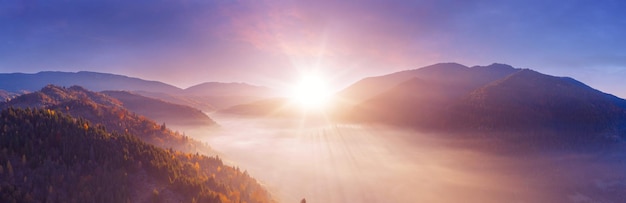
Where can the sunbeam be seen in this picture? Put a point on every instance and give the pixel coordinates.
(368, 163)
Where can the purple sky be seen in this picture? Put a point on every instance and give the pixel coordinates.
(270, 42)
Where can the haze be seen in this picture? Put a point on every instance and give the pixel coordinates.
(373, 163)
(404, 101)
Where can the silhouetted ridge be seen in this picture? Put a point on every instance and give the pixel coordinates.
(17, 82)
(207, 97)
(161, 111)
(224, 95)
(493, 98)
(369, 87)
(226, 89)
(531, 101)
(422, 99)
(273, 107)
(495, 67)
(439, 69)
(439, 73)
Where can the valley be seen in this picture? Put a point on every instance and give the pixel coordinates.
(265, 101)
(447, 133)
(375, 163)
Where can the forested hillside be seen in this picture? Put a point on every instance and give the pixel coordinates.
(99, 108)
(47, 156)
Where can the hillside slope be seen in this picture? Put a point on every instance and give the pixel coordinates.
(50, 157)
(208, 96)
(101, 109)
(161, 111)
(528, 100)
(495, 99)
(419, 96)
(368, 88)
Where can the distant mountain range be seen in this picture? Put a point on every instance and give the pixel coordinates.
(417, 97)
(496, 98)
(25, 82)
(207, 97)
(161, 111)
(228, 89)
(224, 95)
(440, 97)
(453, 98)
(449, 73)
(274, 107)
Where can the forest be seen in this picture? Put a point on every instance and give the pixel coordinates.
(99, 108)
(48, 156)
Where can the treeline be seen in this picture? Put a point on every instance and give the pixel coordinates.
(47, 156)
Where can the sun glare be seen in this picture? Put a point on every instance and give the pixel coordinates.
(311, 92)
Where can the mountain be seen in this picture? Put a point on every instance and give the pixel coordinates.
(413, 89)
(161, 111)
(179, 99)
(101, 109)
(223, 95)
(440, 73)
(18, 82)
(494, 98)
(51, 157)
(531, 100)
(227, 89)
(207, 97)
(414, 102)
(264, 108)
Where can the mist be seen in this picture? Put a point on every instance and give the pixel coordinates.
(325, 162)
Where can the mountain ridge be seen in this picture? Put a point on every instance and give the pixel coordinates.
(562, 99)
(100, 109)
(494, 98)
(369, 87)
(19, 82)
(161, 111)
(207, 96)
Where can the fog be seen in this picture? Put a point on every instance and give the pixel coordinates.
(325, 162)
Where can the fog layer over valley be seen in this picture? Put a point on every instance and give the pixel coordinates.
(325, 162)
(564, 140)
(265, 101)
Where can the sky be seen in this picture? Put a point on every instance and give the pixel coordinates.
(273, 42)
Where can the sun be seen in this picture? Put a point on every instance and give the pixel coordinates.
(311, 92)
